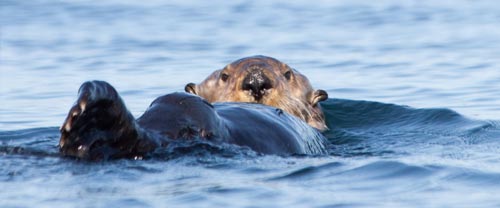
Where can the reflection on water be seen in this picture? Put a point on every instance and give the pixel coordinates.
(425, 54)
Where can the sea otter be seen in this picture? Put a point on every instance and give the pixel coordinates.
(268, 81)
(99, 126)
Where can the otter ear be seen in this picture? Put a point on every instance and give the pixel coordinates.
(191, 88)
(318, 96)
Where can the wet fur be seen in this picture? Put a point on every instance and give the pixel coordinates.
(99, 126)
(294, 94)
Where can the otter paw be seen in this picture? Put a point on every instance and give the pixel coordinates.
(93, 121)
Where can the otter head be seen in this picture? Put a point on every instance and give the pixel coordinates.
(264, 80)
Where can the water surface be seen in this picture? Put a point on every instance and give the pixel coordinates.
(375, 59)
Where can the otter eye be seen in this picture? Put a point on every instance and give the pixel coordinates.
(288, 75)
(224, 76)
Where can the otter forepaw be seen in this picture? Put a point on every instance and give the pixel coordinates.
(98, 117)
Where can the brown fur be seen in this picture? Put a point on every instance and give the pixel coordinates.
(291, 91)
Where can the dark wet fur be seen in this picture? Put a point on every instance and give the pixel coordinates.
(100, 127)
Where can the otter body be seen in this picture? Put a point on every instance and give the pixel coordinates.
(99, 126)
(264, 80)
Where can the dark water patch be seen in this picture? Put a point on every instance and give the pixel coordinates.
(227, 191)
(477, 66)
(309, 172)
(38, 142)
(386, 65)
(131, 92)
(366, 114)
(472, 177)
(130, 202)
(26, 133)
(348, 63)
(346, 205)
(254, 170)
(123, 43)
(387, 170)
(348, 90)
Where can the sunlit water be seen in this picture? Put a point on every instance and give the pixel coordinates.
(375, 58)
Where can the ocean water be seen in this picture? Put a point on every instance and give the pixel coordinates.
(414, 108)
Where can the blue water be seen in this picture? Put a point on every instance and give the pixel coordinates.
(414, 110)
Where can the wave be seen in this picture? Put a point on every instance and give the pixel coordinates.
(378, 172)
(343, 114)
(366, 128)
(40, 142)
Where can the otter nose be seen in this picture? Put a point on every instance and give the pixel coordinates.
(256, 82)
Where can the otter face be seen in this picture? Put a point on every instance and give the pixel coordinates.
(264, 80)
